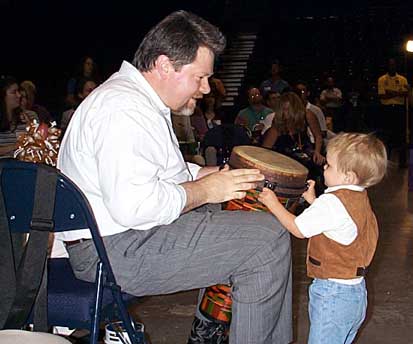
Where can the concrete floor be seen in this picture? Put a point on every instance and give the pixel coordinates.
(168, 318)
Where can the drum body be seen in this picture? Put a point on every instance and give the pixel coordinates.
(285, 176)
(216, 305)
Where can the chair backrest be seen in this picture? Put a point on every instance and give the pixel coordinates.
(72, 210)
(20, 185)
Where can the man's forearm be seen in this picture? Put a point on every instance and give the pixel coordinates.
(196, 194)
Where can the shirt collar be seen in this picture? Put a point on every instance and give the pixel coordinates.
(136, 76)
(394, 76)
(349, 187)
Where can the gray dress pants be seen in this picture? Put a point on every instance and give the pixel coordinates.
(250, 250)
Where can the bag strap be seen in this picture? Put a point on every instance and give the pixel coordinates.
(7, 267)
(30, 275)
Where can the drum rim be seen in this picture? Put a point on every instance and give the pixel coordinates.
(240, 151)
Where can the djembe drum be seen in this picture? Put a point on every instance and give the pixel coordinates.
(284, 175)
(287, 178)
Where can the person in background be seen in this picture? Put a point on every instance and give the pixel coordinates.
(275, 83)
(256, 117)
(188, 143)
(208, 115)
(87, 69)
(31, 115)
(152, 206)
(84, 88)
(313, 110)
(30, 89)
(218, 88)
(331, 99)
(343, 233)
(271, 99)
(12, 119)
(288, 130)
(393, 90)
(288, 135)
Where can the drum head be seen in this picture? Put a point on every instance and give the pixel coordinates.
(287, 177)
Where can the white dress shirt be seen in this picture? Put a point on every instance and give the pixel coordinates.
(121, 151)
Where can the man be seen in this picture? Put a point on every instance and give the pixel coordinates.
(271, 98)
(121, 151)
(392, 89)
(332, 100)
(256, 117)
(275, 83)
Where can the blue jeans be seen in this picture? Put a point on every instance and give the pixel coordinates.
(336, 311)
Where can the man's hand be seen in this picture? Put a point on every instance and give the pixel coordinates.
(221, 186)
(230, 184)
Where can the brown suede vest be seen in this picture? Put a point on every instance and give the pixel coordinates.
(327, 258)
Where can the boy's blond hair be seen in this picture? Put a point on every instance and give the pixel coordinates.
(363, 154)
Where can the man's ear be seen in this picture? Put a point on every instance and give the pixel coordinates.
(164, 66)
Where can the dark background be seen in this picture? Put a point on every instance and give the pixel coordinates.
(44, 40)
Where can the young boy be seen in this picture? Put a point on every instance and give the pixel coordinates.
(343, 235)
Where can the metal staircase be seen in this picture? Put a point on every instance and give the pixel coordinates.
(235, 65)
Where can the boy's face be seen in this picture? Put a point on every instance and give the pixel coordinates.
(332, 176)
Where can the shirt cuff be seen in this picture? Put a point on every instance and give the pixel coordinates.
(182, 193)
(193, 169)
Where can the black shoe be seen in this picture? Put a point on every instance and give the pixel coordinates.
(208, 332)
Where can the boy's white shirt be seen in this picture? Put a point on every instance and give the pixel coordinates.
(328, 215)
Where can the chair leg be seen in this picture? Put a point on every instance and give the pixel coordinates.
(94, 333)
(127, 320)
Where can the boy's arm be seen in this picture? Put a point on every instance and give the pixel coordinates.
(268, 198)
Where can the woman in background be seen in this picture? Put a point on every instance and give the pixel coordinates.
(12, 119)
(86, 70)
(288, 135)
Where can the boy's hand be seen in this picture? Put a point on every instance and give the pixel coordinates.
(309, 195)
(267, 197)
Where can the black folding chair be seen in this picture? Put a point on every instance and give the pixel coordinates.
(38, 199)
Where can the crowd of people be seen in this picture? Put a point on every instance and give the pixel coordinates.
(149, 148)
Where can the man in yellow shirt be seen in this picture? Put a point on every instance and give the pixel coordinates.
(393, 91)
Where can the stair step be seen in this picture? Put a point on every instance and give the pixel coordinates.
(237, 84)
(247, 36)
(233, 94)
(234, 63)
(231, 75)
(236, 57)
(229, 80)
(237, 54)
(242, 44)
(227, 104)
(239, 51)
(235, 69)
(231, 88)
